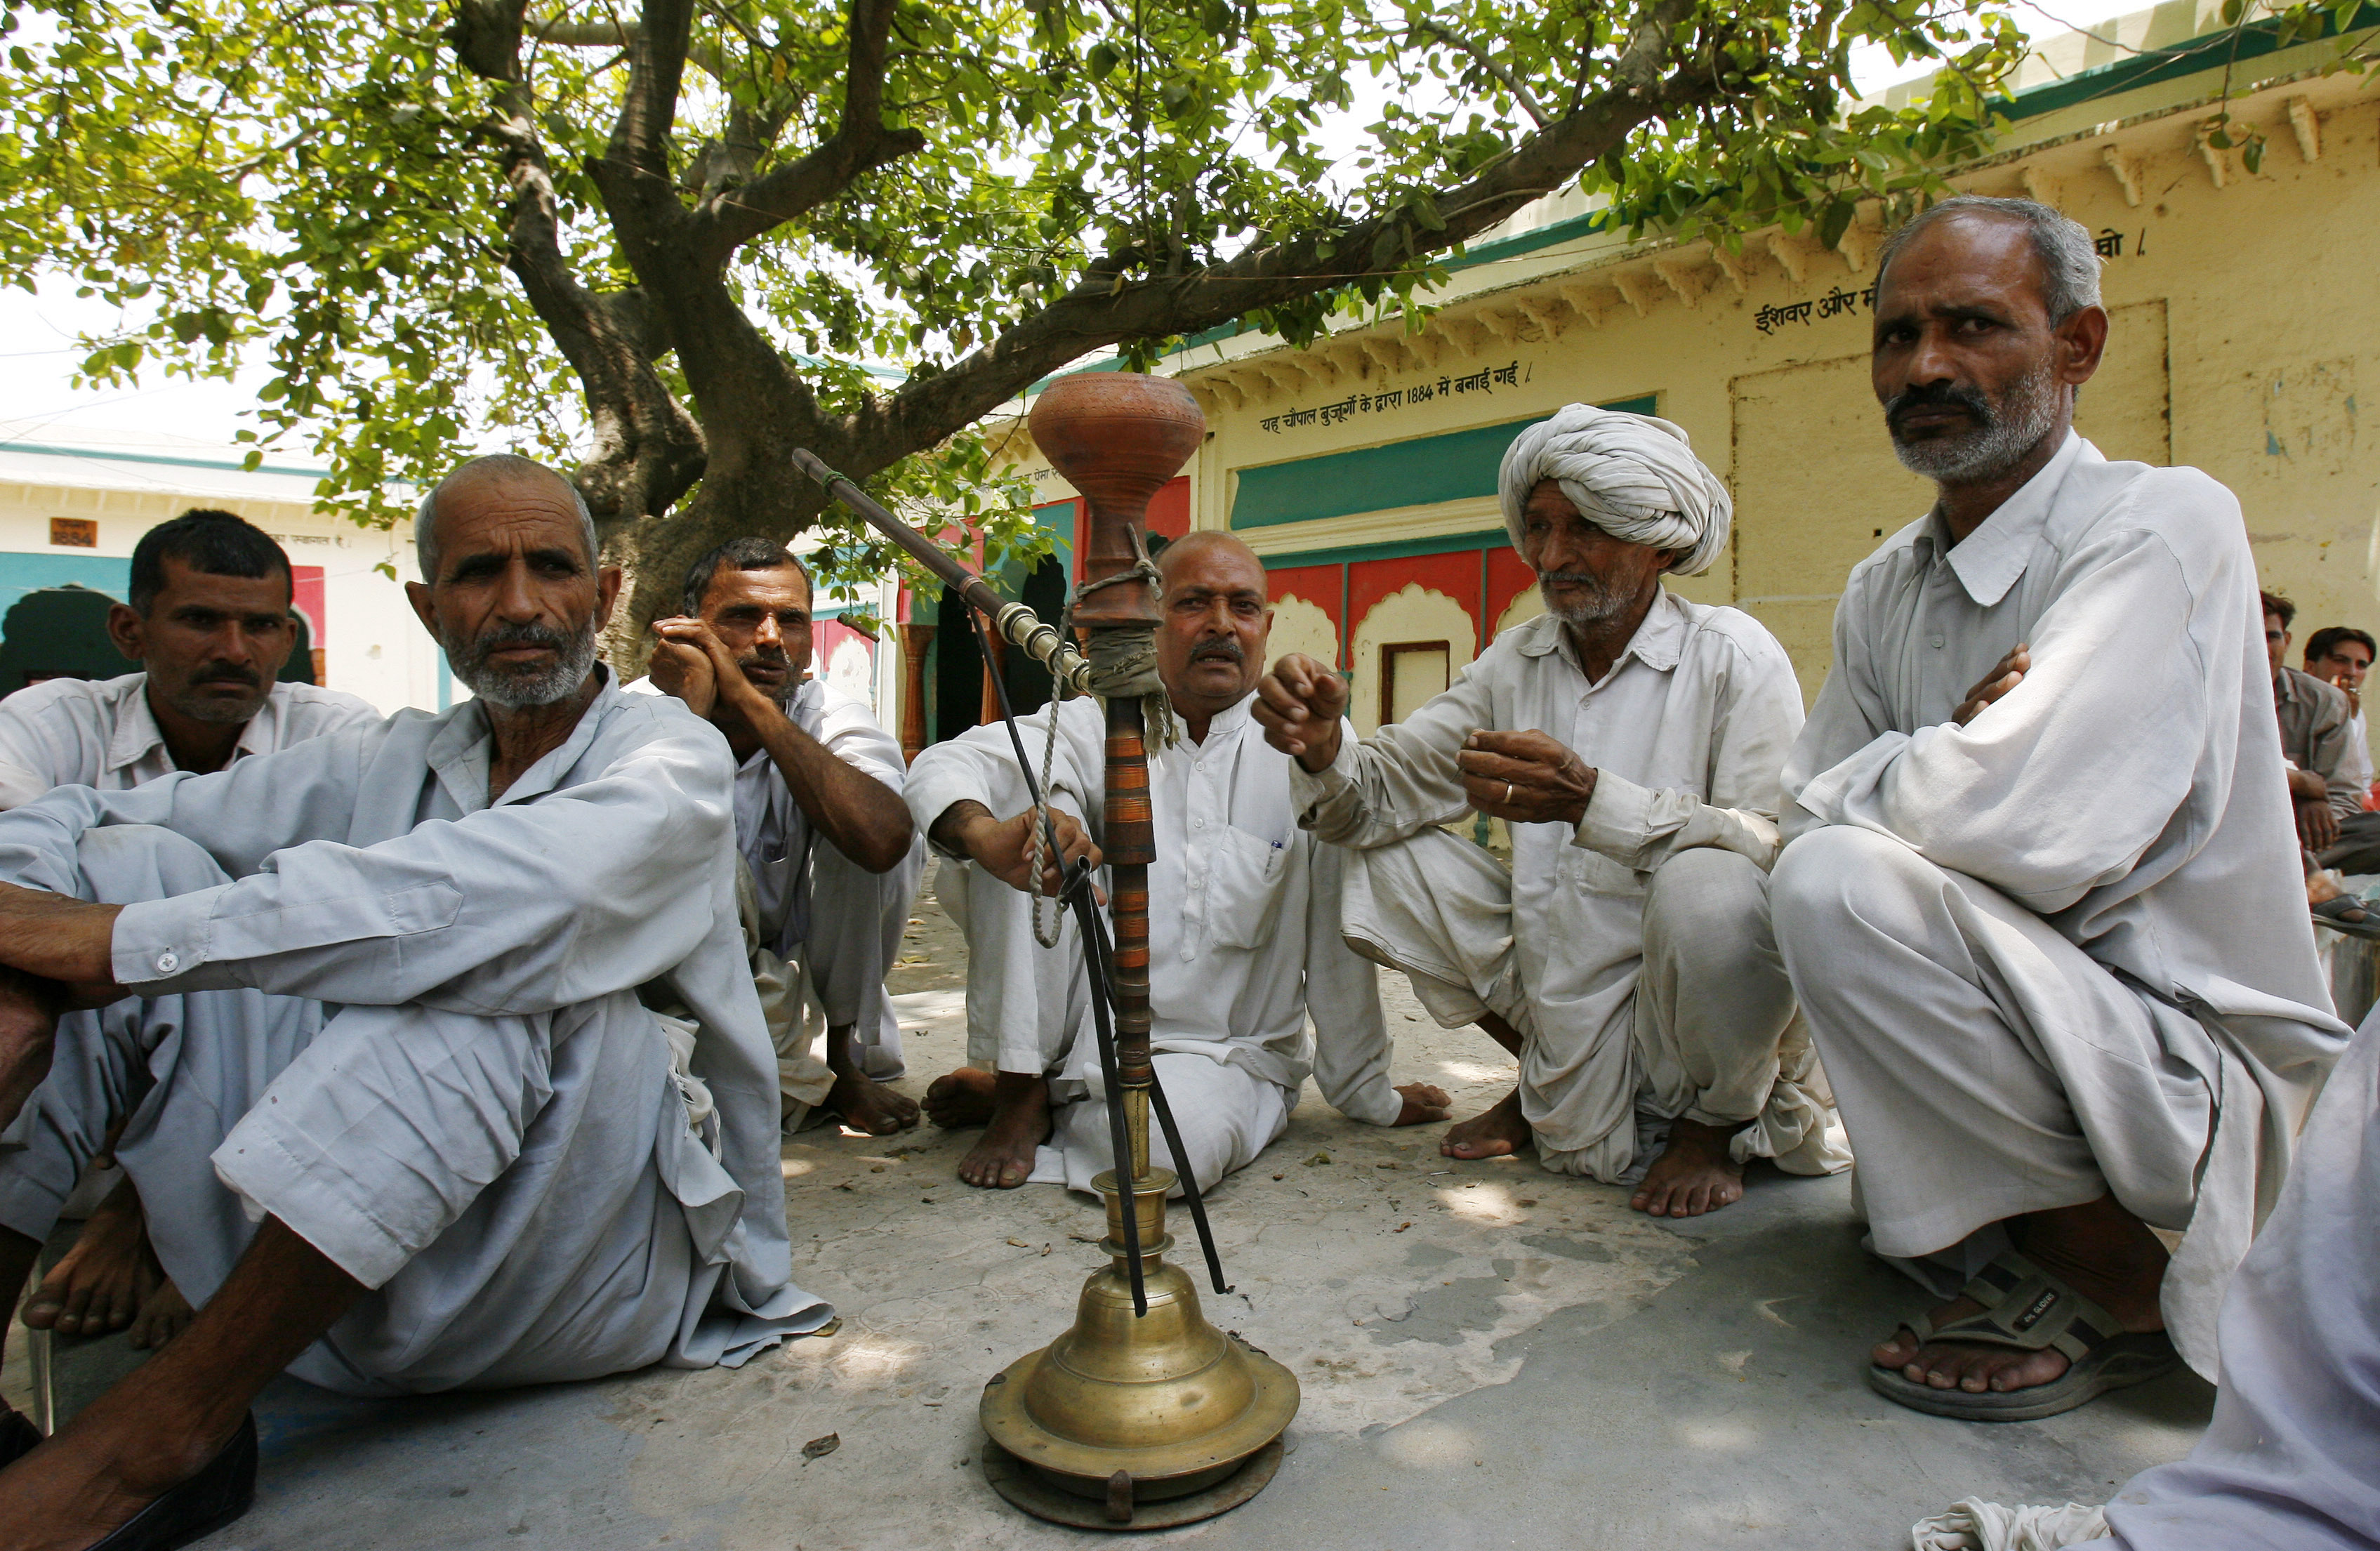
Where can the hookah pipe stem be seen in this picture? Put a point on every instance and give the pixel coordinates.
(1039, 639)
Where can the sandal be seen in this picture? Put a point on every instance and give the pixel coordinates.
(18, 1436)
(2334, 913)
(2028, 1309)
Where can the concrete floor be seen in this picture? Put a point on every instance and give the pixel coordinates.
(1491, 1356)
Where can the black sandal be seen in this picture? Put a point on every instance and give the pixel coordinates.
(2334, 913)
(199, 1507)
(2029, 1310)
(18, 1437)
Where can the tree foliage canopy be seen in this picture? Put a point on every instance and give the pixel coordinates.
(430, 219)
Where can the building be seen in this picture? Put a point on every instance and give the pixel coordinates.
(73, 502)
(1363, 467)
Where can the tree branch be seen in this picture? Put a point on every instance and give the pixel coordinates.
(656, 70)
(486, 35)
(622, 34)
(1512, 84)
(1652, 78)
(861, 143)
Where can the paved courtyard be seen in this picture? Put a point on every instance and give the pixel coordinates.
(1491, 1357)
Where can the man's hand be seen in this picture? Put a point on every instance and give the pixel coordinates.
(1992, 686)
(1299, 704)
(1524, 778)
(2317, 824)
(683, 669)
(727, 679)
(1004, 847)
(58, 939)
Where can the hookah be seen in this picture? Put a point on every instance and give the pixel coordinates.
(1142, 1416)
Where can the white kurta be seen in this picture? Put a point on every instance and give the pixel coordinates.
(837, 922)
(1686, 733)
(2129, 794)
(485, 1055)
(1243, 916)
(102, 734)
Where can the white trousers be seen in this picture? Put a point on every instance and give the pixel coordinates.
(493, 1180)
(1986, 1066)
(1028, 1009)
(1714, 1033)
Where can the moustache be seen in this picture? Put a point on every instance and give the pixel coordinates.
(1226, 650)
(498, 638)
(246, 678)
(1937, 395)
(1569, 578)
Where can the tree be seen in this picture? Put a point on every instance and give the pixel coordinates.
(708, 210)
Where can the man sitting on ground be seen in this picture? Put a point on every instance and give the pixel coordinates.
(2340, 655)
(2040, 899)
(1243, 943)
(209, 622)
(819, 816)
(1624, 958)
(406, 1125)
(2329, 772)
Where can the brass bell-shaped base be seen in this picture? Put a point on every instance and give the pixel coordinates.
(1124, 1409)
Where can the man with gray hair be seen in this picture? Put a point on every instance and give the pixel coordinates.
(373, 1023)
(2041, 899)
(1632, 741)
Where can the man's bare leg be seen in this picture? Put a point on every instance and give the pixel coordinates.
(18, 1254)
(1014, 1109)
(1498, 1132)
(101, 1284)
(2098, 1249)
(167, 1420)
(1695, 1174)
(864, 1103)
(28, 1032)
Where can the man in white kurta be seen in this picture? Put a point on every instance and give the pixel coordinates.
(1245, 943)
(1626, 953)
(384, 990)
(2041, 899)
(208, 618)
(819, 820)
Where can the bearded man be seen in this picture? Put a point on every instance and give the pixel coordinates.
(820, 822)
(207, 616)
(2041, 899)
(373, 1027)
(1632, 741)
(1247, 950)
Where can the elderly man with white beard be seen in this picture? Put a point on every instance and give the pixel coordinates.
(373, 1021)
(1632, 740)
(2042, 901)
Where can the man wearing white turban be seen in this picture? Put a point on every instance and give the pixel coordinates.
(1633, 741)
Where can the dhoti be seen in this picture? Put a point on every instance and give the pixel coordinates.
(1986, 1066)
(1710, 1033)
(523, 1196)
(1028, 1009)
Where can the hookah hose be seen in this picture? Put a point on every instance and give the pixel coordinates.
(1097, 955)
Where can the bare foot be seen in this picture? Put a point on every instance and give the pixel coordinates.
(29, 1028)
(1695, 1174)
(2100, 1249)
(1014, 1108)
(1425, 1104)
(1495, 1133)
(103, 1281)
(960, 1098)
(165, 1315)
(867, 1105)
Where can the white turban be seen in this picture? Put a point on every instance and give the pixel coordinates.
(1633, 477)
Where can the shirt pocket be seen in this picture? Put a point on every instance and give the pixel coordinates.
(1582, 871)
(1246, 876)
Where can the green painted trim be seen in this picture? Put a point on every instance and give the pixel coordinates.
(1445, 543)
(97, 454)
(2208, 52)
(1420, 471)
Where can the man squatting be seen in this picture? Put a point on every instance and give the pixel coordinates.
(2034, 888)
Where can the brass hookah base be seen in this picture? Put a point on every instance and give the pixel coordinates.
(1137, 1423)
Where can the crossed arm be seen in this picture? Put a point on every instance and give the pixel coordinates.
(55, 956)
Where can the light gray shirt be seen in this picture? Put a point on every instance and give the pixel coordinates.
(2320, 735)
(101, 733)
(369, 868)
(1244, 908)
(2129, 790)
